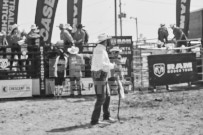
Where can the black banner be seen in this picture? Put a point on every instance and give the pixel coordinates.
(74, 12)
(44, 18)
(183, 15)
(172, 69)
(8, 14)
(126, 45)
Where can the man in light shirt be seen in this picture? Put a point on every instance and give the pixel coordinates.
(100, 68)
(65, 35)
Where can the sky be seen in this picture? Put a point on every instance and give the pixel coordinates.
(98, 16)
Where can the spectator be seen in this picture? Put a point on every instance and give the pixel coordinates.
(65, 36)
(79, 37)
(60, 72)
(163, 33)
(179, 36)
(101, 67)
(76, 63)
(116, 74)
(15, 37)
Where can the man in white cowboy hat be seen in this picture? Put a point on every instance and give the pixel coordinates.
(76, 63)
(79, 37)
(100, 68)
(65, 35)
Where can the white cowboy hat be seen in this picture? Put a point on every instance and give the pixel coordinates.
(14, 26)
(68, 26)
(73, 50)
(33, 26)
(172, 26)
(103, 37)
(115, 49)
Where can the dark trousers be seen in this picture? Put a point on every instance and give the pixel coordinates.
(103, 98)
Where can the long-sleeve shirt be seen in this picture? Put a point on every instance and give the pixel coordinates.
(100, 59)
(66, 36)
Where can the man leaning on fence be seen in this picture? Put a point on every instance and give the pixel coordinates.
(101, 67)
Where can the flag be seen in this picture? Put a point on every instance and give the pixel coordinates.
(8, 14)
(74, 12)
(183, 15)
(44, 18)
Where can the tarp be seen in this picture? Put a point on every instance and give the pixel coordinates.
(183, 15)
(8, 14)
(74, 12)
(44, 18)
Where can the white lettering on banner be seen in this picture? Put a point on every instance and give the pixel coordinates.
(159, 68)
(123, 60)
(46, 21)
(182, 14)
(125, 50)
(7, 18)
(42, 83)
(4, 63)
(179, 67)
(75, 16)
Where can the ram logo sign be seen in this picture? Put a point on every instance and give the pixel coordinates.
(159, 69)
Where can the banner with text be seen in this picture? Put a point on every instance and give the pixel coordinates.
(183, 15)
(126, 45)
(74, 13)
(172, 68)
(15, 88)
(8, 14)
(44, 18)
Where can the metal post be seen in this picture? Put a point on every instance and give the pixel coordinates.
(120, 18)
(136, 28)
(115, 17)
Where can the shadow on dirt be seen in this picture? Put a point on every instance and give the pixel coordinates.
(65, 129)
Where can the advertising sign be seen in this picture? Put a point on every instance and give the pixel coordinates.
(74, 13)
(183, 15)
(8, 13)
(44, 18)
(126, 45)
(172, 68)
(15, 88)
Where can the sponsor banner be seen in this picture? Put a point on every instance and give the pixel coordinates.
(44, 18)
(126, 45)
(74, 13)
(172, 69)
(4, 63)
(8, 13)
(183, 15)
(15, 88)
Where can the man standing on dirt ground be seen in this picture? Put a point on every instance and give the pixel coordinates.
(76, 63)
(100, 68)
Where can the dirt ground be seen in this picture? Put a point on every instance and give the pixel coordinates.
(161, 113)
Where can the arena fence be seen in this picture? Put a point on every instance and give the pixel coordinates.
(142, 52)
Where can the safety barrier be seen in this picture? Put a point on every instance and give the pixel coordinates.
(140, 60)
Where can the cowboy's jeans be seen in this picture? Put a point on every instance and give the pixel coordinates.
(103, 98)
